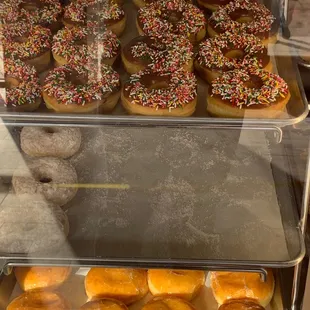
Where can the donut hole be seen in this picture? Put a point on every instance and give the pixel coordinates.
(45, 180)
(21, 39)
(242, 16)
(9, 83)
(234, 54)
(172, 16)
(155, 82)
(77, 79)
(31, 6)
(254, 82)
(49, 130)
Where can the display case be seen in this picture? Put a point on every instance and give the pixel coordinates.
(162, 142)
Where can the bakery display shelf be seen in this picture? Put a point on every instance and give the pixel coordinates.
(203, 198)
(285, 66)
(73, 290)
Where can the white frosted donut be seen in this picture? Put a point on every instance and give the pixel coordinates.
(60, 142)
(31, 224)
(46, 176)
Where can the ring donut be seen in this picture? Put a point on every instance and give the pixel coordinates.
(167, 53)
(22, 88)
(77, 89)
(31, 44)
(175, 16)
(94, 13)
(252, 93)
(42, 176)
(78, 44)
(228, 52)
(104, 304)
(57, 141)
(244, 16)
(125, 284)
(161, 94)
(184, 284)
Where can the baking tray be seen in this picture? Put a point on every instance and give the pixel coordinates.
(73, 291)
(196, 198)
(297, 108)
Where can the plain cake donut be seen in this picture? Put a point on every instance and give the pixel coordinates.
(29, 224)
(178, 283)
(104, 304)
(241, 304)
(42, 176)
(127, 285)
(60, 142)
(39, 278)
(237, 285)
(41, 300)
(168, 303)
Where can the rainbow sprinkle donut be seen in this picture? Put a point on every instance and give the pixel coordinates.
(173, 16)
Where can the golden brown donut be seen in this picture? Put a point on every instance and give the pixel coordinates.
(40, 300)
(251, 93)
(178, 283)
(104, 304)
(30, 278)
(160, 94)
(127, 285)
(241, 304)
(239, 285)
(168, 303)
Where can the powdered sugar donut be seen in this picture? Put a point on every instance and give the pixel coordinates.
(60, 142)
(46, 176)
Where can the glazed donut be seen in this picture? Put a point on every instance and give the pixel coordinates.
(252, 93)
(241, 304)
(104, 304)
(127, 285)
(175, 16)
(244, 16)
(31, 44)
(77, 45)
(42, 300)
(77, 89)
(45, 13)
(39, 278)
(41, 176)
(168, 303)
(29, 224)
(160, 94)
(178, 283)
(94, 13)
(22, 88)
(167, 53)
(238, 285)
(57, 141)
(228, 52)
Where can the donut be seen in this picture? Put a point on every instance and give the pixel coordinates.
(228, 52)
(42, 300)
(168, 303)
(39, 278)
(57, 141)
(244, 16)
(104, 304)
(175, 16)
(160, 93)
(241, 304)
(252, 93)
(21, 84)
(178, 283)
(78, 45)
(127, 285)
(30, 224)
(227, 286)
(167, 53)
(32, 44)
(44, 176)
(78, 89)
(43, 12)
(95, 12)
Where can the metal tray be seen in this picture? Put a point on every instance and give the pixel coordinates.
(297, 108)
(195, 198)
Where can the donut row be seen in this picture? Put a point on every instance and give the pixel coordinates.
(117, 288)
